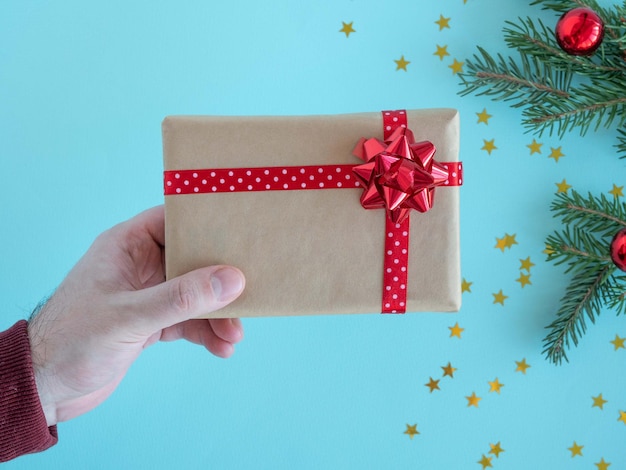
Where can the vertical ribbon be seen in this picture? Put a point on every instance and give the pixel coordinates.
(395, 266)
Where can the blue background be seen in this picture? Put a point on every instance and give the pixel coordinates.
(83, 89)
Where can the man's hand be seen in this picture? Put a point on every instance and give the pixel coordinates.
(113, 304)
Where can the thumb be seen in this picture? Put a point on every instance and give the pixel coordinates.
(188, 296)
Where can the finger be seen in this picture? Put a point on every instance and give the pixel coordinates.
(152, 221)
(229, 329)
(185, 297)
(199, 332)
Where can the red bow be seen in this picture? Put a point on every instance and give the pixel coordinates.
(399, 174)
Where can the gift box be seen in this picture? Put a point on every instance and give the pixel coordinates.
(284, 199)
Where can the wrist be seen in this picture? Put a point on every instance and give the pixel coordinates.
(41, 377)
(23, 425)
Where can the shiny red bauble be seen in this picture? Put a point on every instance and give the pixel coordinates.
(580, 31)
(618, 249)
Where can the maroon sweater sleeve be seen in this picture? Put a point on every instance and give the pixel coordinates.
(23, 427)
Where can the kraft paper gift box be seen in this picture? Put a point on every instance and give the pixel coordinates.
(303, 251)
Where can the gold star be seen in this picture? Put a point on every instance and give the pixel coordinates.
(535, 147)
(456, 330)
(556, 153)
(526, 264)
(602, 465)
(523, 279)
(495, 386)
(457, 67)
(483, 116)
(501, 243)
(448, 370)
(473, 400)
(510, 240)
(433, 385)
(347, 28)
(618, 342)
(442, 51)
(549, 250)
(617, 191)
(466, 286)
(485, 461)
(598, 401)
(496, 449)
(443, 22)
(489, 146)
(401, 63)
(411, 430)
(562, 187)
(499, 297)
(521, 366)
(576, 450)
(622, 416)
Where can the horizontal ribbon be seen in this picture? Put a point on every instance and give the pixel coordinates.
(224, 180)
(395, 274)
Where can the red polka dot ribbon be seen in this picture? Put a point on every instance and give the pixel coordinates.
(395, 277)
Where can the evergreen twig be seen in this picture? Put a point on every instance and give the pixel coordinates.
(590, 223)
(558, 92)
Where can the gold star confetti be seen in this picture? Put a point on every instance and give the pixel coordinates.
(622, 416)
(618, 342)
(433, 385)
(535, 147)
(526, 264)
(456, 330)
(495, 386)
(483, 116)
(466, 286)
(448, 371)
(347, 28)
(562, 187)
(499, 297)
(548, 251)
(496, 449)
(523, 279)
(485, 461)
(473, 400)
(501, 243)
(443, 22)
(556, 153)
(598, 401)
(510, 240)
(617, 191)
(602, 465)
(456, 66)
(401, 63)
(576, 450)
(521, 366)
(489, 146)
(411, 430)
(442, 51)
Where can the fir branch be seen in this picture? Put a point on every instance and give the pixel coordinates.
(621, 145)
(592, 214)
(506, 80)
(578, 248)
(582, 297)
(615, 293)
(590, 223)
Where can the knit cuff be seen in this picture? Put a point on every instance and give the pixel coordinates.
(23, 427)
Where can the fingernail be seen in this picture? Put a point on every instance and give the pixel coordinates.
(227, 283)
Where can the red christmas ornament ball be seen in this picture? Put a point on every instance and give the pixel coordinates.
(580, 31)
(618, 249)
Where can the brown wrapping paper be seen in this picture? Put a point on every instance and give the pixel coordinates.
(311, 251)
